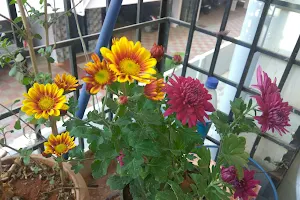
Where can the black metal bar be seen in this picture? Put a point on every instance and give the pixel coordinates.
(233, 40)
(253, 47)
(10, 113)
(289, 64)
(139, 12)
(255, 145)
(163, 31)
(72, 58)
(220, 37)
(190, 38)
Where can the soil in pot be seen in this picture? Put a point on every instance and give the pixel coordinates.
(35, 181)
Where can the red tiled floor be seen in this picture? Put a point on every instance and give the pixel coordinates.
(11, 89)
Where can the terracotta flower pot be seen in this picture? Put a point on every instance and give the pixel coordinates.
(81, 194)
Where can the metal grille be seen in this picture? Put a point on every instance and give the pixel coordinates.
(164, 27)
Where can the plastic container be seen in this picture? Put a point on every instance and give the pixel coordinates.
(211, 85)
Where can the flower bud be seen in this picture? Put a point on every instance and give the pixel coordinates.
(229, 174)
(157, 52)
(177, 59)
(122, 100)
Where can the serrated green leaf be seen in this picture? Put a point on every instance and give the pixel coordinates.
(232, 152)
(17, 125)
(132, 165)
(105, 151)
(112, 105)
(177, 190)
(77, 153)
(99, 168)
(147, 148)
(27, 80)
(25, 155)
(149, 117)
(117, 182)
(165, 195)
(76, 168)
(123, 121)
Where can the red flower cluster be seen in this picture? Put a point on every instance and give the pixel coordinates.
(243, 188)
(188, 99)
(275, 112)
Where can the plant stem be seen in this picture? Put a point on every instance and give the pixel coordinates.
(104, 103)
(117, 114)
(5, 145)
(80, 35)
(46, 27)
(93, 99)
(238, 119)
(28, 37)
(61, 172)
(53, 125)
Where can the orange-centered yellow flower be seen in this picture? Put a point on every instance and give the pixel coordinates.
(66, 82)
(59, 144)
(99, 75)
(154, 90)
(43, 101)
(130, 61)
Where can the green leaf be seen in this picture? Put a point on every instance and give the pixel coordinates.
(76, 168)
(148, 148)
(12, 2)
(122, 121)
(27, 80)
(117, 182)
(232, 152)
(165, 195)
(73, 105)
(24, 1)
(50, 59)
(112, 105)
(17, 19)
(25, 155)
(132, 165)
(249, 104)
(105, 151)
(77, 153)
(13, 71)
(18, 125)
(150, 117)
(37, 36)
(177, 190)
(41, 51)
(160, 167)
(99, 168)
(220, 120)
(15, 101)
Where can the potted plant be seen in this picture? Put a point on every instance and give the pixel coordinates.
(153, 134)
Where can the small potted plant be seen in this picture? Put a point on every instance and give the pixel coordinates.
(153, 133)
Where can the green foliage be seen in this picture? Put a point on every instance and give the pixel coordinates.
(117, 182)
(73, 105)
(17, 125)
(76, 168)
(99, 168)
(232, 152)
(25, 155)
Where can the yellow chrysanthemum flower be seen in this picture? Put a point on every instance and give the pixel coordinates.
(99, 75)
(154, 90)
(114, 40)
(43, 101)
(130, 61)
(66, 82)
(59, 144)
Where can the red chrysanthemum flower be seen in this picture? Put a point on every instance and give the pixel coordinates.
(177, 59)
(229, 174)
(188, 99)
(275, 112)
(245, 188)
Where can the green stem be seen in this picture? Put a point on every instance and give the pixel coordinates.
(117, 114)
(104, 103)
(239, 118)
(93, 99)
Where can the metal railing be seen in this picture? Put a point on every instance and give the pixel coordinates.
(164, 26)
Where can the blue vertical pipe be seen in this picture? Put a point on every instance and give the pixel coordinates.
(104, 38)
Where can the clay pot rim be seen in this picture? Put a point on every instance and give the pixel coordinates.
(80, 194)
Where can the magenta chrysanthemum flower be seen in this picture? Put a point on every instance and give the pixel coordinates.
(245, 187)
(264, 83)
(228, 174)
(188, 99)
(275, 112)
(120, 158)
